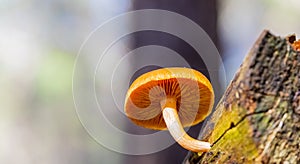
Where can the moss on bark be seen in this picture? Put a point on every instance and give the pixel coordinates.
(258, 118)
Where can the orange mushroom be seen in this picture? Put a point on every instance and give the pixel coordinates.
(296, 45)
(171, 98)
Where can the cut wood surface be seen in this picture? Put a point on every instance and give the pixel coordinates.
(258, 118)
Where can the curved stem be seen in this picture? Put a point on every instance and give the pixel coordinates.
(175, 127)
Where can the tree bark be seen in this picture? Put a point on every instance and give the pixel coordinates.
(258, 118)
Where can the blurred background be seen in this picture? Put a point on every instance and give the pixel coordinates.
(39, 42)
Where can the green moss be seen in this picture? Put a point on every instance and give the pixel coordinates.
(229, 117)
(237, 144)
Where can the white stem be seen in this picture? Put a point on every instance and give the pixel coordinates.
(175, 127)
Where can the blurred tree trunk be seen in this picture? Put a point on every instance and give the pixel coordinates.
(202, 12)
(258, 118)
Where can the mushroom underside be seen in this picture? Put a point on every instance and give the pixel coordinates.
(194, 101)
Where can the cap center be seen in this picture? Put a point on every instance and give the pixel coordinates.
(169, 101)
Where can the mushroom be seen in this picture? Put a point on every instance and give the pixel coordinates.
(296, 45)
(171, 98)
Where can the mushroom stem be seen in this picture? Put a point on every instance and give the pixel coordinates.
(174, 125)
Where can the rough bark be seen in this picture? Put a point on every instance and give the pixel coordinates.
(258, 118)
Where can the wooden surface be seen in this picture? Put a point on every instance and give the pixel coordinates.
(258, 118)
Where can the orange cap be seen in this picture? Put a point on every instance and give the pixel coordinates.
(192, 91)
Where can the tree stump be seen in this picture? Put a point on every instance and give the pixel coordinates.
(258, 118)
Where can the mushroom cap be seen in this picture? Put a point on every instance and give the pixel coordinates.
(192, 91)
